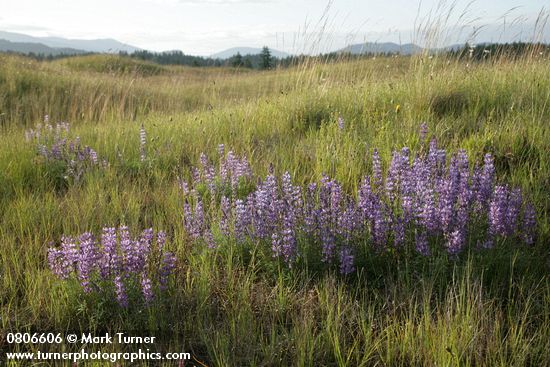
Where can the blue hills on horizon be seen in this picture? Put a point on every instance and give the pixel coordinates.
(22, 43)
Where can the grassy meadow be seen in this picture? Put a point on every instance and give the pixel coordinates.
(231, 308)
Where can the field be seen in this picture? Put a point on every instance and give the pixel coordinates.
(233, 303)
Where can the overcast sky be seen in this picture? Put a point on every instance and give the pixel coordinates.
(203, 27)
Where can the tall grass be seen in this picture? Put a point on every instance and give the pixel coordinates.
(229, 308)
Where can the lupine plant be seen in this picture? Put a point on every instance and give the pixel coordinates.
(116, 264)
(142, 144)
(53, 144)
(232, 173)
(424, 202)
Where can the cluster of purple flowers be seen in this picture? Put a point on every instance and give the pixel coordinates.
(54, 145)
(424, 201)
(232, 172)
(117, 262)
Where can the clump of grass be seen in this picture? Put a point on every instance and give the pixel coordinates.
(114, 66)
(452, 103)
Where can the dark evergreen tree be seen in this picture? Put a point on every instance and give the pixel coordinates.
(266, 58)
(248, 63)
(237, 60)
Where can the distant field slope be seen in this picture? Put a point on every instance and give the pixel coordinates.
(113, 65)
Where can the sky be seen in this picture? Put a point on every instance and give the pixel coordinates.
(203, 27)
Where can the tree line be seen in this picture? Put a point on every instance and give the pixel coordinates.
(265, 60)
(513, 50)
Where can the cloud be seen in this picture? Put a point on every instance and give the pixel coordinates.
(23, 28)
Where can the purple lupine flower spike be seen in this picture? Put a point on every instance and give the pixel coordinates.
(110, 263)
(142, 143)
(497, 211)
(225, 215)
(146, 288)
(346, 261)
(119, 260)
(241, 220)
(167, 267)
(340, 123)
(161, 240)
(422, 244)
(120, 289)
(56, 261)
(515, 202)
(455, 242)
(398, 232)
(209, 239)
(87, 260)
(486, 181)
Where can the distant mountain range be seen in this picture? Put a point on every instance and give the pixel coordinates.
(356, 49)
(226, 54)
(17, 42)
(37, 48)
(106, 45)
